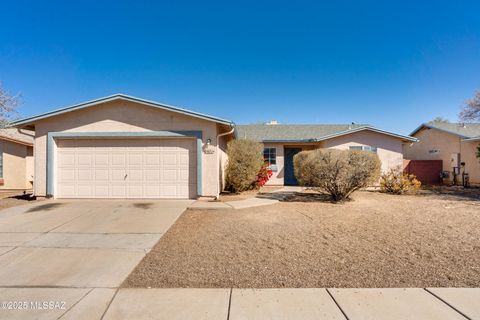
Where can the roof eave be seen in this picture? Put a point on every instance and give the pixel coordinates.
(471, 139)
(342, 133)
(28, 144)
(426, 125)
(31, 120)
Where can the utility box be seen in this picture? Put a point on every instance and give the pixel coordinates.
(455, 160)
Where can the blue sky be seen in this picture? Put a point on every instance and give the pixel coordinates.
(393, 65)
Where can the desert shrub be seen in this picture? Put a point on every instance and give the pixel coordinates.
(336, 172)
(396, 182)
(263, 175)
(245, 159)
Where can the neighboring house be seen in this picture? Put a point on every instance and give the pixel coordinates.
(282, 142)
(455, 144)
(126, 147)
(16, 160)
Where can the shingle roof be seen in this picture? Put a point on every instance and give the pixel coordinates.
(19, 135)
(120, 96)
(465, 130)
(303, 132)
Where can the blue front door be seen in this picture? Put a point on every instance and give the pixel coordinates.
(289, 179)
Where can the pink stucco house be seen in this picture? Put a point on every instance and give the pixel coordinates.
(125, 147)
(16, 160)
(453, 144)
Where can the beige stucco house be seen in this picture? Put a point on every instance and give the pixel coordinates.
(16, 160)
(455, 144)
(282, 142)
(125, 147)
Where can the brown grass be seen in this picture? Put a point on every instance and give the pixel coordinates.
(377, 240)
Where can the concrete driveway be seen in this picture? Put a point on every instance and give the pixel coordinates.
(75, 252)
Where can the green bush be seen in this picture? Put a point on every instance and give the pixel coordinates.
(336, 172)
(245, 159)
(396, 182)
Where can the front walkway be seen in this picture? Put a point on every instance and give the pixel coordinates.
(251, 304)
(263, 199)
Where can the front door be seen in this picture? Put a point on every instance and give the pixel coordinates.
(289, 179)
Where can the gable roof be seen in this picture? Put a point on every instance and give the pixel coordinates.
(124, 97)
(305, 132)
(463, 130)
(18, 136)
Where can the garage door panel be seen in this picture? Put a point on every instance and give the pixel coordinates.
(101, 175)
(102, 191)
(101, 158)
(119, 168)
(135, 175)
(152, 175)
(152, 191)
(135, 190)
(117, 175)
(118, 191)
(67, 158)
(170, 158)
(135, 158)
(66, 175)
(152, 158)
(85, 174)
(85, 190)
(84, 158)
(66, 190)
(170, 174)
(118, 158)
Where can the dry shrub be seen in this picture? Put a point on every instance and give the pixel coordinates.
(245, 159)
(396, 182)
(336, 172)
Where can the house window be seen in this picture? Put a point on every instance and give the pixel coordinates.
(434, 151)
(364, 148)
(270, 156)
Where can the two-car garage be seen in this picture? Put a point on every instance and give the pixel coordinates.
(125, 168)
(123, 147)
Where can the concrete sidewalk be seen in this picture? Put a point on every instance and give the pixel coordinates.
(236, 304)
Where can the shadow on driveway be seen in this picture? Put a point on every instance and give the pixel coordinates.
(45, 207)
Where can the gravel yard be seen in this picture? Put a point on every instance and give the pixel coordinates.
(377, 240)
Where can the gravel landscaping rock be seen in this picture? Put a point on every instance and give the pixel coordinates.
(376, 240)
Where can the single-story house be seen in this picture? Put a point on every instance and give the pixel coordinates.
(125, 147)
(281, 142)
(16, 160)
(455, 144)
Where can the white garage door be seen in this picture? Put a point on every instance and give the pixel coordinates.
(133, 168)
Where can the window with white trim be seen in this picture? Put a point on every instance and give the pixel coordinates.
(270, 156)
(364, 148)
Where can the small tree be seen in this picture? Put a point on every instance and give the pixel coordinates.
(471, 113)
(245, 160)
(8, 107)
(439, 120)
(471, 109)
(336, 172)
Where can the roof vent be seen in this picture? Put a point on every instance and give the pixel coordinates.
(272, 122)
